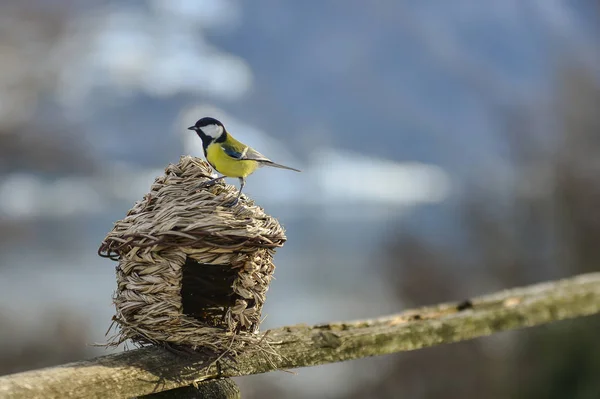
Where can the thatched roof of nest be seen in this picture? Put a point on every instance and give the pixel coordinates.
(180, 247)
(175, 213)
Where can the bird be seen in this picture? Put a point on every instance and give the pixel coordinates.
(227, 155)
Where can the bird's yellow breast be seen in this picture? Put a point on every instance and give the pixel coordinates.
(227, 165)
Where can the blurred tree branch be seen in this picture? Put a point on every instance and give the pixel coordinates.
(150, 370)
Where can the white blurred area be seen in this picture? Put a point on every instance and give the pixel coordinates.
(160, 52)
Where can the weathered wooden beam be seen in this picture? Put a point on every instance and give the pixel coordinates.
(151, 370)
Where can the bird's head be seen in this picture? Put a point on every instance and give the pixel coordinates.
(209, 130)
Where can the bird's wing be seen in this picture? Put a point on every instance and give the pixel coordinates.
(254, 155)
(245, 153)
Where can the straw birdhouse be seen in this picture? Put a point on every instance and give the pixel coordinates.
(192, 271)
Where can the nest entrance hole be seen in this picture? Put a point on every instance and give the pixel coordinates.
(207, 291)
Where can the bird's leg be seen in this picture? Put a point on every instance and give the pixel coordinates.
(242, 183)
(210, 182)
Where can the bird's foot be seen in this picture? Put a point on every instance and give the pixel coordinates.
(231, 204)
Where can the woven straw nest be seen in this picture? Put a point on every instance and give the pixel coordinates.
(192, 271)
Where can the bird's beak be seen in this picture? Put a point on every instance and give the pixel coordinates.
(192, 128)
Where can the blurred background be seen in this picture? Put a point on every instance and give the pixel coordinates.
(449, 149)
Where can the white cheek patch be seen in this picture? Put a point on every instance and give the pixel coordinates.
(214, 131)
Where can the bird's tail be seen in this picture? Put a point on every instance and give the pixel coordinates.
(276, 165)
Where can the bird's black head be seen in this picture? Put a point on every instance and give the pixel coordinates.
(209, 129)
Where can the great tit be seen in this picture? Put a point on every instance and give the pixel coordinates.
(227, 155)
